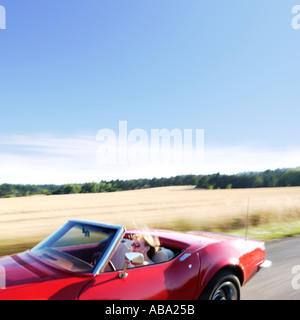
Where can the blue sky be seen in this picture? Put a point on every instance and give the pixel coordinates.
(71, 68)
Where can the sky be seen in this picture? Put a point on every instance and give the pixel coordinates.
(72, 72)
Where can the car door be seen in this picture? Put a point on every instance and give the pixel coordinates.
(175, 279)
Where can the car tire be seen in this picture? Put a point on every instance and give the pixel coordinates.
(223, 286)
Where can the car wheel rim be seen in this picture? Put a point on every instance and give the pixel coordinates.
(226, 291)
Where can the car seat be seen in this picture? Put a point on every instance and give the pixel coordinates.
(162, 255)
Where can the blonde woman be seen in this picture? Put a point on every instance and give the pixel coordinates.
(147, 245)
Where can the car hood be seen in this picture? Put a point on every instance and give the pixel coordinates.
(23, 277)
(21, 269)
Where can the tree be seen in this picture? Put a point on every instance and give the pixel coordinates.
(290, 178)
(91, 187)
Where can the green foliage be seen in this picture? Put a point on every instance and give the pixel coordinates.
(290, 178)
(276, 178)
(269, 178)
(68, 189)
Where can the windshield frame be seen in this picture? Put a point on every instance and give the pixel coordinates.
(119, 231)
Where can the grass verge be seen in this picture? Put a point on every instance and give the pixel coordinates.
(271, 231)
(264, 226)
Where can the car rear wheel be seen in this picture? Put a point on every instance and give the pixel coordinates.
(223, 286)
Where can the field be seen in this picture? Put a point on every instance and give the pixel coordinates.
(273, 212)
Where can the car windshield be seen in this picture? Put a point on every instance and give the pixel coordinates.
(76, 247)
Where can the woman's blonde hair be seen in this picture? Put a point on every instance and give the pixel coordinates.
(151, 240)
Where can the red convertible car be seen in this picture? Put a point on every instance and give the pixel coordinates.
(87, 260)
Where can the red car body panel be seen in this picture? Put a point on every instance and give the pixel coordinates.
(29, 279)
(242, 256)
(199, 257)
(158, 282)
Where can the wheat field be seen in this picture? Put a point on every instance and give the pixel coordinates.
(27, 220)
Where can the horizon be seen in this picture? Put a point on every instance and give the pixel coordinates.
(160, 178)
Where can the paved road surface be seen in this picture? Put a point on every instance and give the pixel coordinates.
(275, 283)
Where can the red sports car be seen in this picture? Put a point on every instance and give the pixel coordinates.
(88, 260)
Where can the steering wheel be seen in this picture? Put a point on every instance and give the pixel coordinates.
(110, 265)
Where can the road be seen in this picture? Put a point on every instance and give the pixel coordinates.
(277, 282)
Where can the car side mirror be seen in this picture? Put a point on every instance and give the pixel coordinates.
(131, 257)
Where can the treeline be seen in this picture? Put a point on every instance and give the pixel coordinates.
(269, 178)
(266, 179)
(18, 190)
